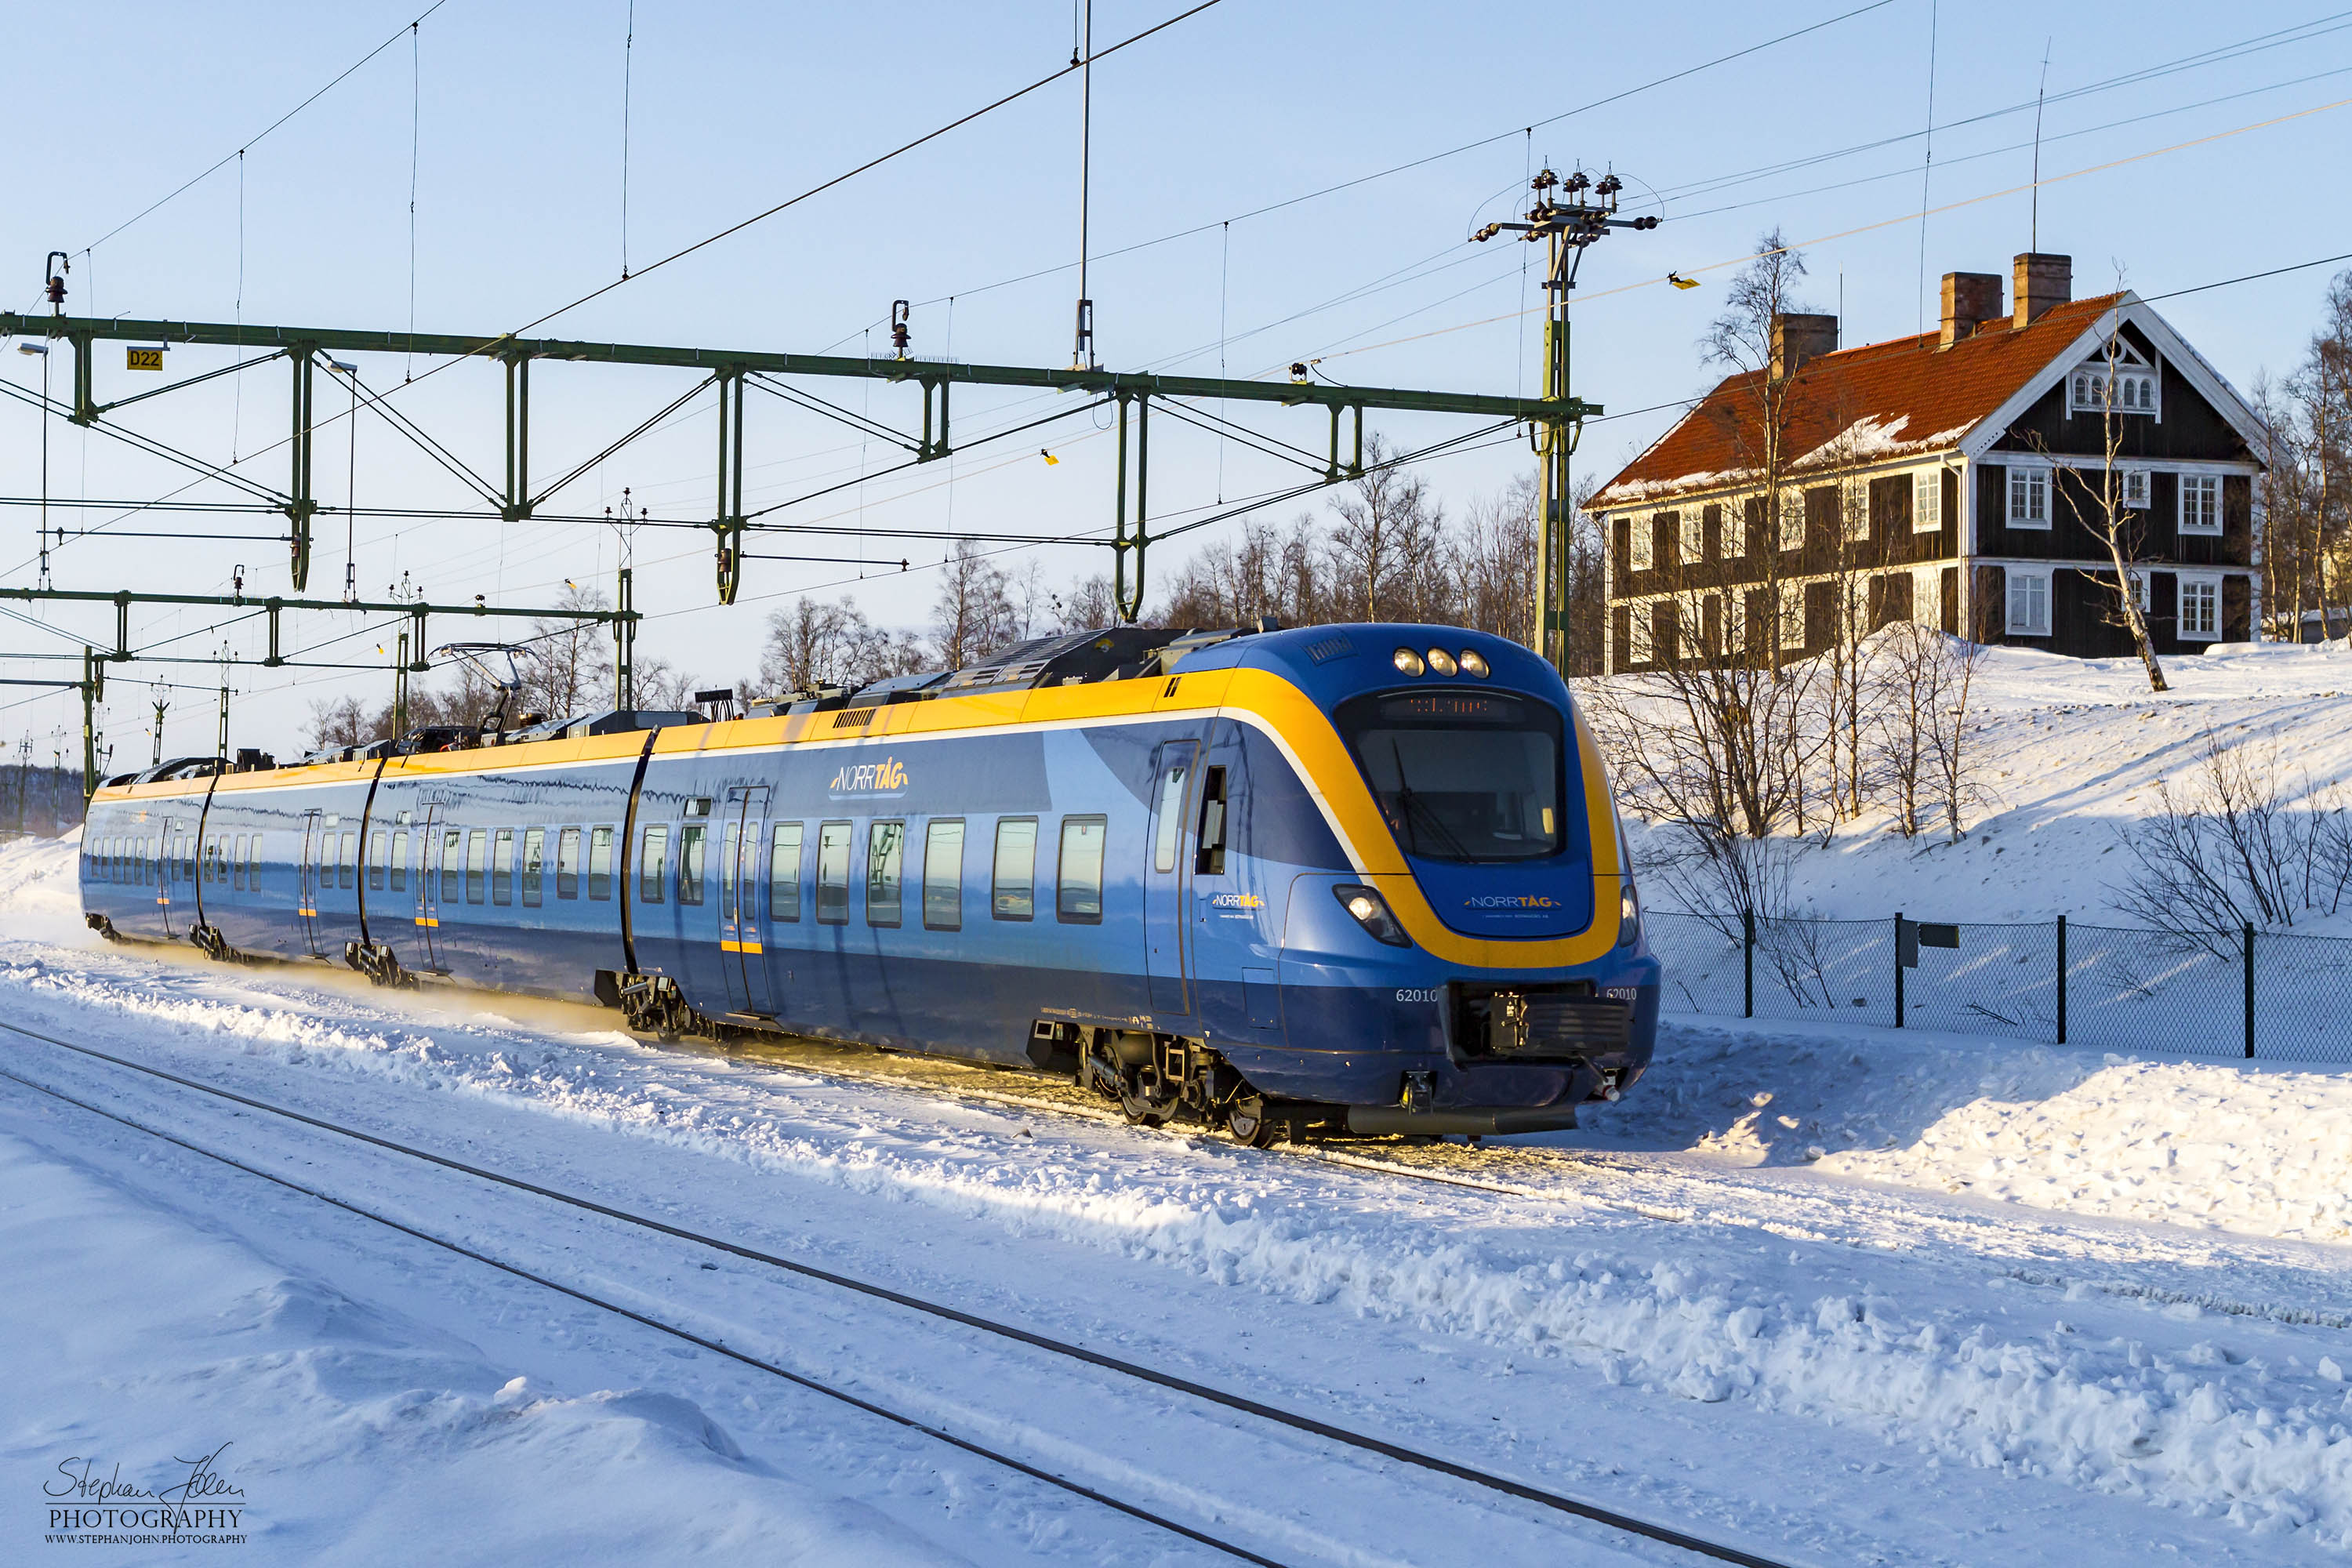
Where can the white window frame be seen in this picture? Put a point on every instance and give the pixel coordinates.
(1792, 619)
(2137, 387)
(2138, 575)
(1854, 511)
(2193, 518)
(1690, 530)
(2136, 488)
(1732, 534)
(2029, 489)
(1641, 637)
(1928, 596)
(1927, 502)
(1788, 527)
(2205, 589)
(1639, 536)
(2028, 591)
(1734, 621)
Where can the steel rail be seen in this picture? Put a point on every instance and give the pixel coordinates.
(1521, 1491)
(702, 1342)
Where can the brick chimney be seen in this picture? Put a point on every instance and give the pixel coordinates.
(1970, 299)
(2041, 281)
(1796, 338)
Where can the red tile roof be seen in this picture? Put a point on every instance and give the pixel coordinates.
(1888, 399)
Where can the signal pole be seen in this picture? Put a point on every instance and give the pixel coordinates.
(162, 701)
(1569, 225)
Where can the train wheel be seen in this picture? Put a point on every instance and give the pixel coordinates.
(1246, 1123)
(1141, 1112)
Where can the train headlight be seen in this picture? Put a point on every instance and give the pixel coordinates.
(1407, 661)
(1474, 663)
(1372, 914)
(1440, 661)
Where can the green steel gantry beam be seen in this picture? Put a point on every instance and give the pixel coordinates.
(1553, 417)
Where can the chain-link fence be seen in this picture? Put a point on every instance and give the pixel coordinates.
(2243, 992)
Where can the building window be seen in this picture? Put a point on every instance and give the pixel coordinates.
(2029, 603)
(2028, 496)
(2201, 503)
(1692, 527)
(2134, 487)
(2138, 581)
(1792, 615)
(1637, 545)
(1641, 650)
(2201, 607)
(1792, 520)
(1854, 511)
(2134, 390)
(1927, 502)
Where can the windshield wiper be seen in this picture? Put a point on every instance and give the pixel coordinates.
(1415, 805)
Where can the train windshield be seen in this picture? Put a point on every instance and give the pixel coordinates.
(1470, 776)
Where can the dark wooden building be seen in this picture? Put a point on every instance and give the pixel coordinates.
(1962, 478)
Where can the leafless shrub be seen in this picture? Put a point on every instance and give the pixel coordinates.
(1918, 691)
(2229, 849)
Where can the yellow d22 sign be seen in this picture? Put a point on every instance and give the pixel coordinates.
(143, 359)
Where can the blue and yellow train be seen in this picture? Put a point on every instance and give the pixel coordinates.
(1364, 879)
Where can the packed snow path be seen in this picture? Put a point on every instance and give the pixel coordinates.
(1679, 1315)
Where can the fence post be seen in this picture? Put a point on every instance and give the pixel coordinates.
(1748, 963)
(1898, 969)
(2250, 991)
(2061, 979)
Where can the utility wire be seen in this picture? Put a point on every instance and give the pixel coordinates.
(254, 139)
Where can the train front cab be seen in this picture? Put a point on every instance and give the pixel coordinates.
(1411, 909)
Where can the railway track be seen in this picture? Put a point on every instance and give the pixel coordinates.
(1629, 1529)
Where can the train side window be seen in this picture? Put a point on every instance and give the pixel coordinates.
(211, 859)
(478, 855)
(534, 870)
(399, 866)
(567, 863)
(1209, 857)
(236, 864)
(502, 866)
(784, 872)
(600, 864)
(377, 842)
(346, 874)
(832, 873)
(187, 857)
(1079, 886)
(653, 865)
(886, 847)
(943, 876)
(689, 862)
(253, 864)
(1169, 834)
(731, 870)
(1013, 885)
(453, 865)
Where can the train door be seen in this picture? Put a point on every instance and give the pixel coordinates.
(317, 853)
(428, 891)
(744, 830)
(1165, 876)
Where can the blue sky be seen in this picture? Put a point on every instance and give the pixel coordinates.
(515, 116)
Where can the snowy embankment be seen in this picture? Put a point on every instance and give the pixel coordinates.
(2226, 1416)
(2068, 752)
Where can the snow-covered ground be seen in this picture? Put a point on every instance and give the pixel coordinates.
(2068, 755)
(1829, 1293)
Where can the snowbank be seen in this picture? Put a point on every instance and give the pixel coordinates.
(2069, 752)
(2240, 1146)
(132, 1342)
